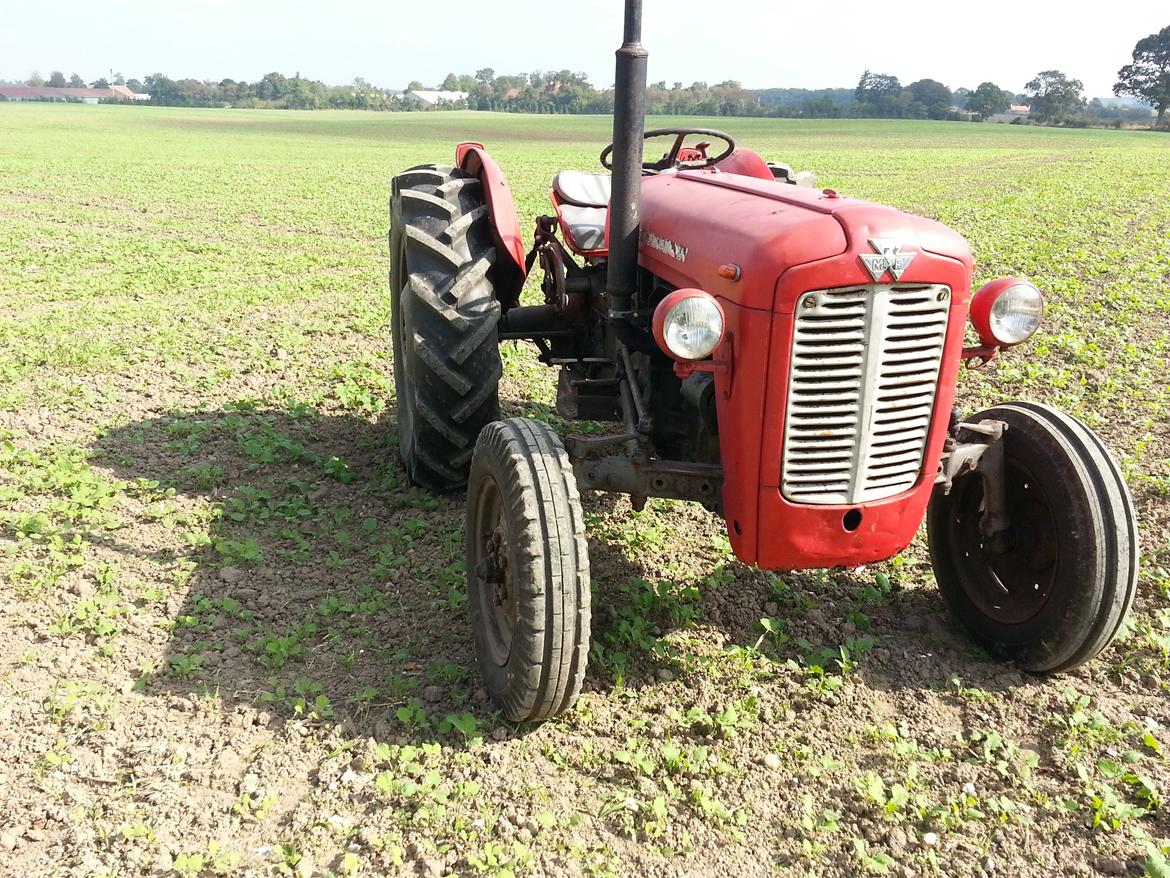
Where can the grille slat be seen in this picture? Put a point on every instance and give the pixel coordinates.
(865, 366)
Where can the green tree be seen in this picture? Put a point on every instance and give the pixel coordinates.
(56, 79)
(930, 98)
(485, 75)
(451, 83)
(162, 90)
(76, 81)
(101, 82)
(877, 94)
(272, 87)
(35, 79)
(300, 94)
(989, 99)
(820, 108)
(415, 85)
(1052, 94)
(1148, 77)
(135, 85)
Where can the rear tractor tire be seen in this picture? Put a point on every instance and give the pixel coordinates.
(1054, 591)
(527, 570)
(444, 314)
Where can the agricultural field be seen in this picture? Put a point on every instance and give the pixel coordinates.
(235, 639)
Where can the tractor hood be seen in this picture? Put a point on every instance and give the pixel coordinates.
(697, 227)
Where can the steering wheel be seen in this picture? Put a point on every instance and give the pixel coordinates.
(671, 158)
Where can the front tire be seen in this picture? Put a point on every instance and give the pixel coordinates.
(1054, 594)
(527, 570)
(444, 314)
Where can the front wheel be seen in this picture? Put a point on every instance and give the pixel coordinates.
(527, 570)
(1052, 592)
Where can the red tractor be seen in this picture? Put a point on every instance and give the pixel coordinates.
(784, 355)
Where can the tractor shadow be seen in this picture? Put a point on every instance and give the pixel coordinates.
(303, 578)
(300, 576)
(885, 626)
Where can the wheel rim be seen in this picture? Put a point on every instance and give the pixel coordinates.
(1009, 582)
(495, 593)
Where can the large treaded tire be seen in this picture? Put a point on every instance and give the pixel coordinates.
(444, 314)
(1068, 503)
(527, 570)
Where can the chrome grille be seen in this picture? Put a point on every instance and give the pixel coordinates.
(865, 364)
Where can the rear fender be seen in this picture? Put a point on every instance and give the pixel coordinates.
(509, 268)
(747, 163)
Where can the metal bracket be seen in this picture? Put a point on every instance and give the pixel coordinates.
(979, 448)
(583, 447)
(676, 479)
(979, 356)
(627, 314)
(722, 362)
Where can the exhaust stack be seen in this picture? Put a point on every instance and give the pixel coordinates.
(629, 118)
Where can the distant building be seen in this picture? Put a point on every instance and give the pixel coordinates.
(1015, 113)
(120, 91)
(84, 95)
(434, 98)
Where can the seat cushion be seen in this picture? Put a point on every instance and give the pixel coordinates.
(584, 190)
(585, 225)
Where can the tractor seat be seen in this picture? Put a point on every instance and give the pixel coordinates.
(582, 204)
(584, 190)
(584, 226)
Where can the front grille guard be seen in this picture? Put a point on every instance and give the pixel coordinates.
(861, 390)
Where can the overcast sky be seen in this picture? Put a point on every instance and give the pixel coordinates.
(806, 45)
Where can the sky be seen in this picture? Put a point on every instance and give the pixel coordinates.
(805, 45)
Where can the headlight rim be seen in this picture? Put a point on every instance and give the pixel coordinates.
(663, 311)
(983, 305)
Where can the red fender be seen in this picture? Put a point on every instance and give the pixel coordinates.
(746, 162)
(509, 269)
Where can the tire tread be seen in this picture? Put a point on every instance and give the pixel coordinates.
(1122, 552)
(439, 215)
(550, 646)
(1106, 587)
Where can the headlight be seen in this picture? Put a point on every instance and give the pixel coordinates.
(688, 324)
(1007, 311)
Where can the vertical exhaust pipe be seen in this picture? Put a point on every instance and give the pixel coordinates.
(629, 119)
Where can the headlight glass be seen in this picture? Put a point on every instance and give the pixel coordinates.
(693, 328)
(1016, 313)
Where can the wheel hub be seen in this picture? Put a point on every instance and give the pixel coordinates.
(1010, 576)
(493, 568)
(494, 596)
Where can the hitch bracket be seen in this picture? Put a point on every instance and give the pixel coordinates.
(978, 448)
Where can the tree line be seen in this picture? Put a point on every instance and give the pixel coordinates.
(1052, 95)
(562, 91)
(57, 79)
